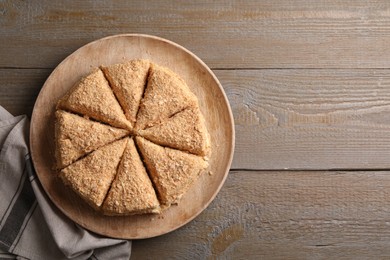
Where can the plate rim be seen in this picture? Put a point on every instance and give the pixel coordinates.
(204, 65)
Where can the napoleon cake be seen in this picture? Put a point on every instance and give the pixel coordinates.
(76, 136)
(165, 94)
(186, 131)
(130, 138)
(172, 171)
(132, 191)
(92, 97)
(128, 82)
(91, 177)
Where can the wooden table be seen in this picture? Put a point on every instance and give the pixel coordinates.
(309, 86)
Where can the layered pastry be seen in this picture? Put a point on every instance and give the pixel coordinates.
(130, 138)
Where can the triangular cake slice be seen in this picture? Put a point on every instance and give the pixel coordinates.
(93, 97)
(165, 95)
(128, 82)
(91, 177)
(77, 136)
(132, 191)
(185, 131)
(172, 171)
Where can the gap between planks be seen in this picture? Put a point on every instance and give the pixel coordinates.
(268, 33)
(286, 215)
(237, 170)
(218, 69)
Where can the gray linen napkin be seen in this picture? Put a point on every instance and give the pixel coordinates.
(31, 227)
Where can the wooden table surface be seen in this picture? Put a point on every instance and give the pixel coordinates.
(309, 85)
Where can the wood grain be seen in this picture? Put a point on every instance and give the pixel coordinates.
(19, 89)
(235, 34)
(310, 119)
(332, 116)
(302, 119)
(286, 215)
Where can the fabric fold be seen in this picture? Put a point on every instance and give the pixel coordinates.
(31, 226)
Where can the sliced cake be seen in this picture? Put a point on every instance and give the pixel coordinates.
(132, 191)
(93, 97)
(76, 136)
(172, 171)
(166, 94)
(128, 82)
(185, 131)
(91, 177)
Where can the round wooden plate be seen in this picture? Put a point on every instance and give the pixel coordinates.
(213, 103)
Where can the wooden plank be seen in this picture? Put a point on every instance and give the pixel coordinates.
(286, 215)
(310, 119)
(296, 119)
(239, 34)
(20, 87)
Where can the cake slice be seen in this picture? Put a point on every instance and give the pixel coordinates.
(132, 191)
(91, 177)
(165, 95)
(128, 82)
(76, 136)
(185, 131)
(93, 97)
(172, 171)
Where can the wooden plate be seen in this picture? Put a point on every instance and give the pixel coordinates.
(213, 103)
